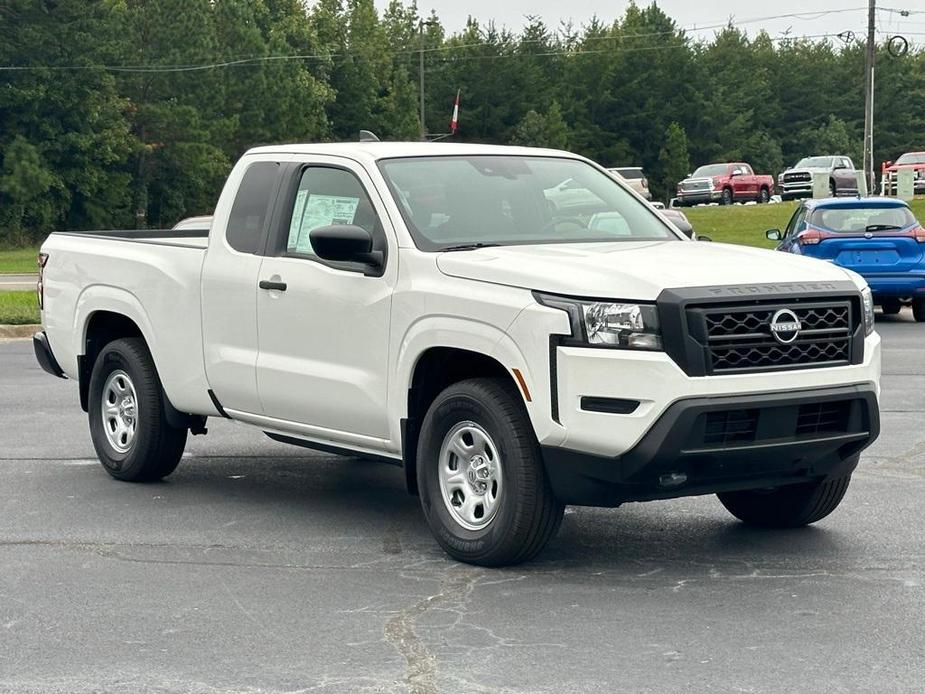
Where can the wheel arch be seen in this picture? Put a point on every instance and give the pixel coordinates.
(104, 322)
(433, 369)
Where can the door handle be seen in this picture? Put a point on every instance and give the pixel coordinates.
(273, 286)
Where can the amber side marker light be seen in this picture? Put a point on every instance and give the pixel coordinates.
(523, 384)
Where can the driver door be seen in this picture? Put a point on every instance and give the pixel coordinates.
(323, 327)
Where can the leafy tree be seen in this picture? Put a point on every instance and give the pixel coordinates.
(84, 144)
(542, 130)
(834, 137)
(673, 160)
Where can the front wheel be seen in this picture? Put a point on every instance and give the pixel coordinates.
(128, 422)
(764, 196)
(791, 506)
(727, 196)
(482, 482)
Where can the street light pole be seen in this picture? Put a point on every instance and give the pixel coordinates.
(869, 169)
(421, 79)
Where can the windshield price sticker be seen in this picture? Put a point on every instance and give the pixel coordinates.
(313, 211)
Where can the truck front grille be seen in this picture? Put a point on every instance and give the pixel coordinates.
(739, 338)
(797, 177)
(692, 186)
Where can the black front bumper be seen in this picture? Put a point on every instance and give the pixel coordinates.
(714, 444)
(44, 356)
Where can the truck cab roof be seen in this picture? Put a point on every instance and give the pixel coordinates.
(374, 151)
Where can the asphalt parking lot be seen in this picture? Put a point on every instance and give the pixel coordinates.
(259, 567)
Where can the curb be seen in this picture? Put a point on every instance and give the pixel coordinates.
(18, 331)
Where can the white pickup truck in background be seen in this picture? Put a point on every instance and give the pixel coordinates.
(444, 308)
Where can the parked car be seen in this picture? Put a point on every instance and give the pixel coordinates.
(797, 181)
(418, 303)
(194, 224)
(635, 177)
(726, 184)
(879, 238)
(910, 161)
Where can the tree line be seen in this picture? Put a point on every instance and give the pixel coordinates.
(129, 113)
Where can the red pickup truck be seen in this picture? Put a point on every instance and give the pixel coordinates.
(726, 184)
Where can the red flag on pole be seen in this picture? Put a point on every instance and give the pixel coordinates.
(454, 123)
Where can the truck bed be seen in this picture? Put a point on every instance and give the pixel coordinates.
(150, 276)
(193, 238)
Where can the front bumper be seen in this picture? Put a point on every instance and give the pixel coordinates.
(796, 190)
(699, 196)
(711, 444)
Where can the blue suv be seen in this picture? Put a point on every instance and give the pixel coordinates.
(879, 238)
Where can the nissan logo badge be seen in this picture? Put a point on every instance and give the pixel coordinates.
(785, 326)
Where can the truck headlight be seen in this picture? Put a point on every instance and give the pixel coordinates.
(867, 304)
(617, 324)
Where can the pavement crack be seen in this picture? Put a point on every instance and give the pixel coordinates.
(401, 633)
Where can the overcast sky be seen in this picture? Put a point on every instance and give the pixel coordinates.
(689, 14)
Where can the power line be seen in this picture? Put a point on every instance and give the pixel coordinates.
(258, 60)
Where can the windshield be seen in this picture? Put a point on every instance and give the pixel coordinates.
(912, 158)
(711, 170)
(454, 201)
(815, 163)
(860, 219)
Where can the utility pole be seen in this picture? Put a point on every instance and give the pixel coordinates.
(869, 168)
(421, 78)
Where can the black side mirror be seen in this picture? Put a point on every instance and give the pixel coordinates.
(773, 235)
(701, 237)
(345, 243)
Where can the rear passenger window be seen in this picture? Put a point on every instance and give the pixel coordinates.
(328, 196)
(251, 207)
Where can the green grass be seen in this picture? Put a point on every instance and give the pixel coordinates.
(19, 308)
(16, 261)
(746, 224)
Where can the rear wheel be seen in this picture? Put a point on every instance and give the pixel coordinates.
(791, 506)
(918, 310)
(128, 422)
(891, 307)
(727, 196)
(481, 477)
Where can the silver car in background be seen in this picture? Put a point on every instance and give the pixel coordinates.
(635, 177)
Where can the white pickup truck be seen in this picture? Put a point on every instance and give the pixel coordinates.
(445, 308)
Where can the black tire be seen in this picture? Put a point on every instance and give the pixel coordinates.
(791, 506)
(763, 196)
(156, 447)
(833, 189)
(528, 514)
(727, 196)
(891, 308)
(918, 310)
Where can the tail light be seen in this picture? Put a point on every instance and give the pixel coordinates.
(40, 286)
(919, 234)
(645, 183)
(809, 238)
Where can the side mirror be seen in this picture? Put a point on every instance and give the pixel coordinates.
(344, 243)
(700, 237)
(773, 235)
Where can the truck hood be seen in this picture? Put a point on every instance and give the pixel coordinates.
(633, 270)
